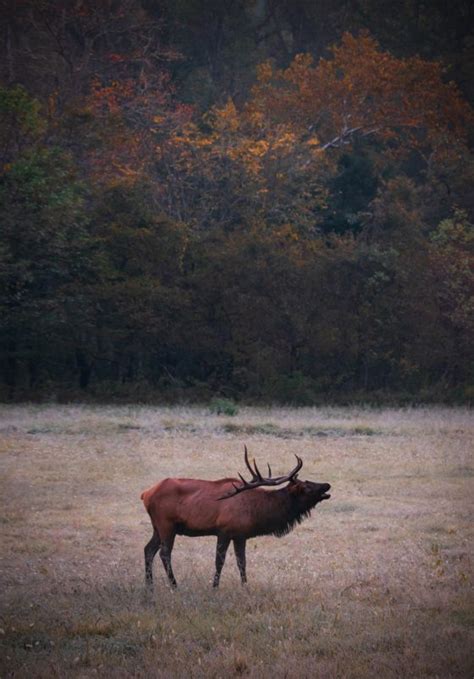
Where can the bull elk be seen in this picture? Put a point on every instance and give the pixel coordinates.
(231, 509)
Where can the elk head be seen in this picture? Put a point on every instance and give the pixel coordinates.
(307, 494)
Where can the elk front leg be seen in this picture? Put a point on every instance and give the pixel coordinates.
(221, 551)
(239, 549)
(150, 550)
(165, 555)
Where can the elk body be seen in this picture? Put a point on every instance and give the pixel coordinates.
(234, 510)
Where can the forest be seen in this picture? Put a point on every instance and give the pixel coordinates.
(259, 200)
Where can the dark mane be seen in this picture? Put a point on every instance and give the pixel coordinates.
(291, 522)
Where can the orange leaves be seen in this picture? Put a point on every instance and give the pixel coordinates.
(109, 99)
(132, 120)
(226, 118)
(245, 138)
(366, 92)
(264, 72)
(243, 168)
(271, 156)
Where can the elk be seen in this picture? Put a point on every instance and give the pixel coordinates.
(232, 509)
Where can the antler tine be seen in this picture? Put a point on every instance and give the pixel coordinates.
(257, 471)
(246, 457)
(257, 478)
(297, 468)
(238, 489)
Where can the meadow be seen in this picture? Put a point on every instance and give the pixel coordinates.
(377, 583)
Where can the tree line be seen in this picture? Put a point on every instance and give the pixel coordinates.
(269, 201)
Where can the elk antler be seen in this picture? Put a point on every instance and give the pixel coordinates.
(258, 479)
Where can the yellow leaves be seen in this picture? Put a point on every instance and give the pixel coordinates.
(258, 148)
(249, 152)
(191, 136)
(299, 70)
(303, 60)
(285, 140)
(300, 66)
(287, 232)
(225, 118)
(204, 142)
(254, 116)
(264, 72)
(251, 149)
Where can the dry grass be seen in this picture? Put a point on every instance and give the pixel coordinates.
(376, 584)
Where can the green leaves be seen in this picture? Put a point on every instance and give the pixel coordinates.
(21, 123)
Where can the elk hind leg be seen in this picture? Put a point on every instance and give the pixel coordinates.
(221, 551)
(151, 549)
(165, 555)
(239, 549)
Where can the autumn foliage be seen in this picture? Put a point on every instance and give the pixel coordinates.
(308, 238)
(363, 91)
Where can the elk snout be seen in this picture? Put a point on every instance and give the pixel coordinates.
(325, 487)
(323, 490)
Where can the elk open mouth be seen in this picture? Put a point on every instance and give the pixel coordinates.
(324, 494)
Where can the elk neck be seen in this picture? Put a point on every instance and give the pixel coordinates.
(277, 512)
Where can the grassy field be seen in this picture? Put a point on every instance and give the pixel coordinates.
(377, 583)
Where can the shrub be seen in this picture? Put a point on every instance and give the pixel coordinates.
(223, 406)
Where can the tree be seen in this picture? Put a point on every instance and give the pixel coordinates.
(452, 260)
(364, 92)
(21, 122)
(234, 169)
(46, 262)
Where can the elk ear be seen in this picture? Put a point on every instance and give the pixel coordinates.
(295, 487)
